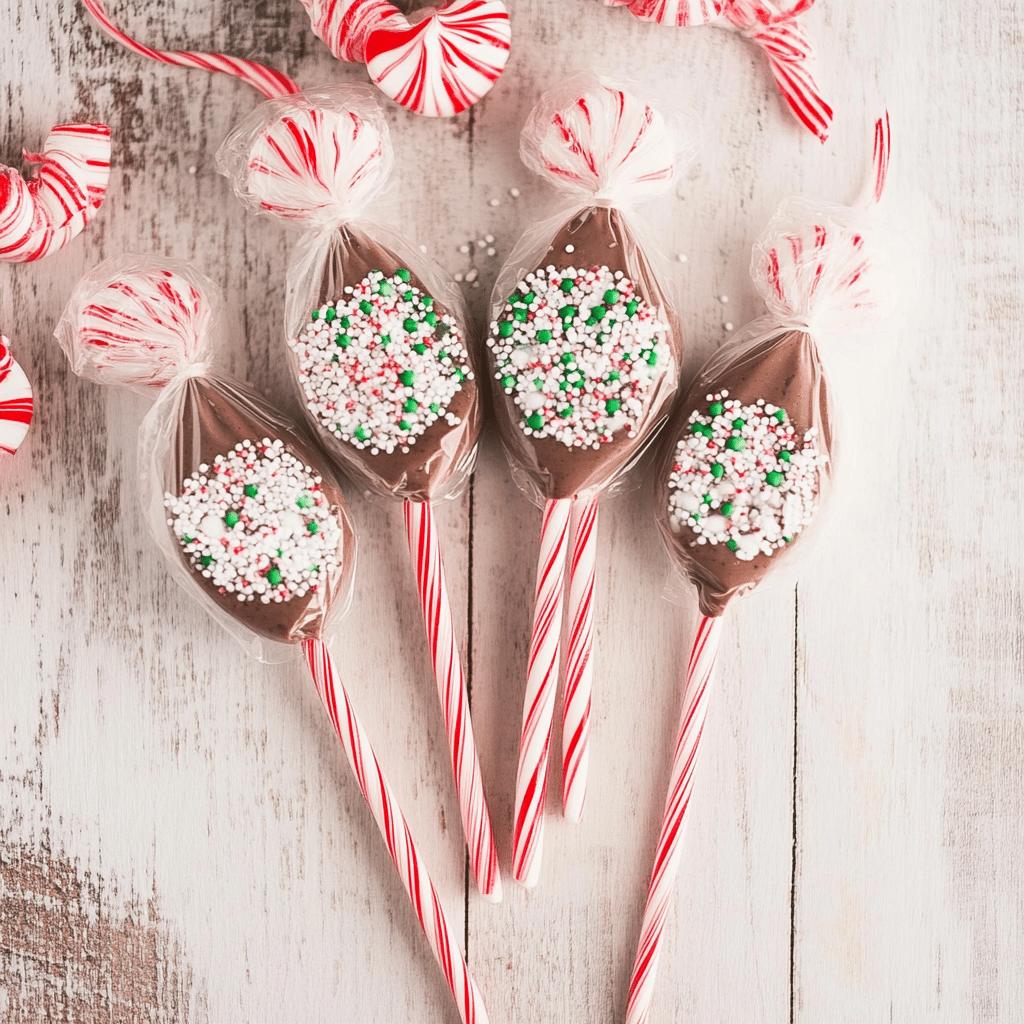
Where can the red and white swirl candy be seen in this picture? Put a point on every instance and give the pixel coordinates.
(771, 26)
(39, 216)
(437, 66)
(15, 401)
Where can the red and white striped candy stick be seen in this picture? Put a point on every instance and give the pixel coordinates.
(539, 702)
(395, 830)
(268, 81)
(39, 216)
(451, 689)
(666, 857)
(15, 401)
(579, 665)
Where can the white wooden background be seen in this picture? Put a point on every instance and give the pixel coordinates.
(180, 836)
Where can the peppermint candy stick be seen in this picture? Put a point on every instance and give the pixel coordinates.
(15, 401)
(579, 666)
(666, 857)
(539, 702)
(40, 216)
(451, 689)
(268, 81)
(395, 830)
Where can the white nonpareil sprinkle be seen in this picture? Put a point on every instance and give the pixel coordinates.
(743, 478)
(379, 366)
(579, 350)
(256, 523)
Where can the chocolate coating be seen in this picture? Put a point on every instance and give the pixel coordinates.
(214, 416)
(600, 236)
(441, 450)
(785, 370)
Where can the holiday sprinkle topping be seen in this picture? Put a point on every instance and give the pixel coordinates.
(743, 478)
(256, 524)
(380, 365)
(579, 350)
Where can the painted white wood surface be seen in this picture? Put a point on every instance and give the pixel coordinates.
(853, 854)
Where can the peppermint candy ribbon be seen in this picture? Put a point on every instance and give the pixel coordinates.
(39, 216)
(771, 26)
(15, 401)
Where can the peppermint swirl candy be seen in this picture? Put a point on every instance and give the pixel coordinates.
(380, 366)
(579, 350)
(743, 478)
(256, 524)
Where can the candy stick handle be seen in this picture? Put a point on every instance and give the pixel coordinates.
(666, 858)
(539, 702)
(579, 664)
(395, 830)
(268, 81)
(451, 689)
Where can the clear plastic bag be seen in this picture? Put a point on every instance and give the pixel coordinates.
(753, 455)
(378, 341)
(249, 520)
(584, 346)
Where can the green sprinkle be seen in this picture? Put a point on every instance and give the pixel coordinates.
(313, 527)
(652, 358)
(563, 385)
(274, 576)
(784, 456)
(344, 322)
(779, 414)
(590, 321)
(408, 296)
(315, 315)
(251, 490)
(435, 408)
(614, 375)
(362, 434)
(426, 302)
(206, 560)
(442, 329)
(717, 470)
(598, 312)
(188, 540)
(738, 424)
(726, 508)
(787, 539)
(535, 422)
(342, 340)
(543, 337)
(407, 377)
(411, 405)
(330, 314)
(402, 274)
(567, 285)
(568, 358)
(735, 444)
(366, 306)
(716, 408)
(603, 339)
(521, 315)
(430, 318)
(385, 288)
(419, 348)
(565, 411)
(410, 325)
(568, 312)
(516, 299)
(538, 382)
(506, 327)
(231, 517)
(385, 340)
(697, 428)
(706, 500)
(305, 501)
(528, 298)
(611, 296)
(774, 479)
(508, 382)
(459, 376)
(631, 307)
(731, 544)
(404, 425)
(612, 406)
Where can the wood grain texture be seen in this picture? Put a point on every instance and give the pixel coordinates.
(853, 852)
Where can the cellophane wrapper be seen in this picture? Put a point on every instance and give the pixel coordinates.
(342, 137)
(824, 273)
(150, 323)
(602, 172)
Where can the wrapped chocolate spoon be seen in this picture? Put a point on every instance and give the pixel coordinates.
(378, 341)
(249, 519)
(584, 358)
(750, 459)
